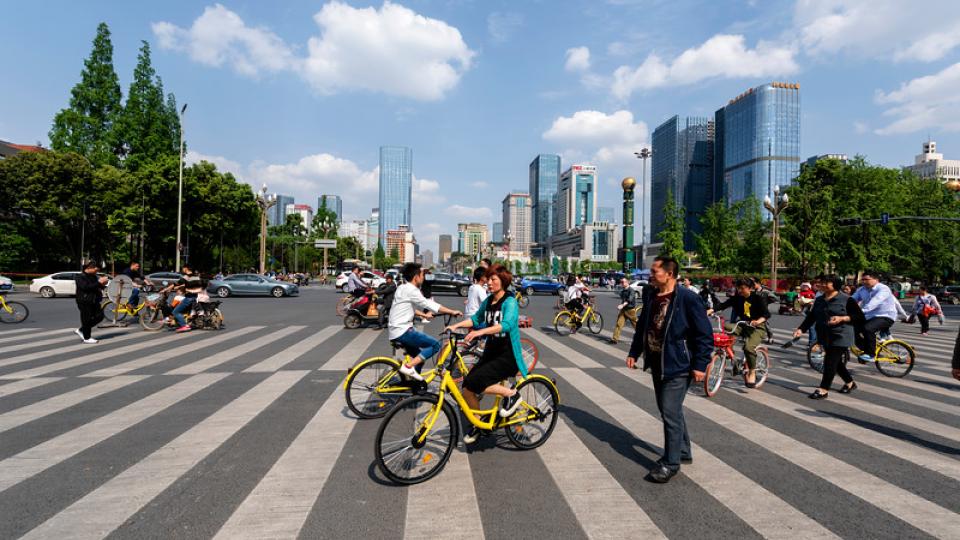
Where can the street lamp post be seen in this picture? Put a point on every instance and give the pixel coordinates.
(325, 225)
(176, 266)
(506, 239)
(644, 154)
(265, 202)
(775, 206)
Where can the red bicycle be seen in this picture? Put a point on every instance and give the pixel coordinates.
(723, 353)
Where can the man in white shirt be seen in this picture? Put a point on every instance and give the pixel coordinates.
(477, 292)
(406, 301)
(879, 307)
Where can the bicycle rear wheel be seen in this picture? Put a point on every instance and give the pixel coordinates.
(112, 312)
(523, 300)
(151, 318)
(815, 357)
(531, 354)
(714, 374)
(361, 388)
(400, 454)
(563, 323)
(542, 396)
(895, 358)
(595, 323)
(763, 367)
(15, 312)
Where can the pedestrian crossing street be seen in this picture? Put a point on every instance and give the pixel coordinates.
(244, 433)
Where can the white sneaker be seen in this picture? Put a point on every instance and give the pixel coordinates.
(91, 341)
(410, 372)
(80, 334)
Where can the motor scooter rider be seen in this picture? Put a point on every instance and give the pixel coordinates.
(385, 294)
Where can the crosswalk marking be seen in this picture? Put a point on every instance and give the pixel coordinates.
(773, 519)
(454, 487)
(21, 334)
(17, 417)
(565, 352)
(348, 356)
(107, 507)
(90, 351)
(280, 503)
(25, 384)
(284, 357)
(34, 460)
(34, 344)
(169, 353)
(221, 357)
(601, 505)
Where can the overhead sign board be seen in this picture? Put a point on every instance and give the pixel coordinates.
(320, 244)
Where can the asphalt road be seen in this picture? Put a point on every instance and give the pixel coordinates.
(243, 433)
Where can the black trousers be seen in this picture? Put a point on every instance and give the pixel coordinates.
(90, 316)
(833, 364)
(924, 322)
(866, 335)
(676, 441)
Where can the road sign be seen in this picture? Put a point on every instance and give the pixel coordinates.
(319, 244)
(884, 218)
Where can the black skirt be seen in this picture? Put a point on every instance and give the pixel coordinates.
(490, 371)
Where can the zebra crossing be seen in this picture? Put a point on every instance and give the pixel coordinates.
(243, 433)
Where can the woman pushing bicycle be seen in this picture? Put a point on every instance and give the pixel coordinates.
(498, 321)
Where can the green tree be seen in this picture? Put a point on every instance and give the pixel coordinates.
(754, 242)
(673, 229)
(720, 239)
(379, 256)
(148, 128)
(87, 125)
(327, 215)
(808, 222)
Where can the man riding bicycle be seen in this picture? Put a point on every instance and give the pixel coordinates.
(879, 307)
(748, 305)
(136, 276)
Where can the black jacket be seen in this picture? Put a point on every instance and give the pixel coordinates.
(758, 307)
(687, 336)
(88, 289)
(840, 305)
(956, 353)
(385, 293)
(629, 297)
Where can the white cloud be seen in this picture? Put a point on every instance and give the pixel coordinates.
(722, 56)
(479, 184)
(468, 213)
(578, 59)
(596, 129)
(930, 102)
(502, 26)
(879, 28)
(391, 50)
(222, 163)
(426, 191)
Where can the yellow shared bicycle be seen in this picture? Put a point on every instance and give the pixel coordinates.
(418, 435)
(12, 312)
(567, 321)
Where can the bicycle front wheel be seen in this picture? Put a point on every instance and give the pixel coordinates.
(151, 318)
(523, 301)
(541, 402)
(563, 323)
(895, 358)
(408, 449)
(14, 312)
(815, 357)
(714, 374)
(595, 323)
(763, 367)
(363, 384)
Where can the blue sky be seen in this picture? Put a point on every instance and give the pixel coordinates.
(301, 94)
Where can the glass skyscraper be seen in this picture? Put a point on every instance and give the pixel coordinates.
(334, 204)
(544, 178)
(277, 215)
(683, 166)
(396, 185)
(761, 141)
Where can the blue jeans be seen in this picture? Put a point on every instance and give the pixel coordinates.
(134, 299)
(182, 307)
(419, 343)
(676, 441)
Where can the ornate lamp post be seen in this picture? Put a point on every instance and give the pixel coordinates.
(628, 185)
(325, 225)
(176, 266)
(644, 154)
(265, 202)
(777, 205)
(506, 240)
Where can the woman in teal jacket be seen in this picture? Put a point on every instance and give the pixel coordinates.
(497, 320)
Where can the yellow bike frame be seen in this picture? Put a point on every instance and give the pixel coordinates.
(428, 377)
(588, 309)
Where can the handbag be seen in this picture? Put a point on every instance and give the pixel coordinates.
(929, 311)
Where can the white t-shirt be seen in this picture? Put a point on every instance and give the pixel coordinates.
(406, 301)
(475, 296)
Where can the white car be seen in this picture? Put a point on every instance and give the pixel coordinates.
(6, 284)
(59, 284)
(371, 279)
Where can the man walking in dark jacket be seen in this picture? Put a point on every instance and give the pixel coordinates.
(89, 295)
(385, 298)
(675, 338)
(956, 358)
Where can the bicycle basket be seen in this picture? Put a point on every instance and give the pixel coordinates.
(722, 340)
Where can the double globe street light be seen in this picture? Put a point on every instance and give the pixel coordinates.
(265, 202)
(775, 206)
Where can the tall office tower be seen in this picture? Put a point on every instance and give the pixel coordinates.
(445, 246)
(544, 179)
(518, 221)
(576, 197)
(334, 204)
(396, 184)
(277, 215)
(373, 230)
(472, 238)
(606, 213)
(682, 166)
(497, 235)
(761, 141)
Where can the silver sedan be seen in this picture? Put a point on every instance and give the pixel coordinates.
(251, 285)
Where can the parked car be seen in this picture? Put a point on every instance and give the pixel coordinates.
(251, 285)
(6, 284)
(59, 284)
(444, 282)
(366, 276)
(540, 284)
(949, 295)
(162, 279)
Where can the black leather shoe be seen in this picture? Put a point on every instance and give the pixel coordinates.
(817, 394)
(847, 389)
(661, 474)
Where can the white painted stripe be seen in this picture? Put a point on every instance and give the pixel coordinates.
(232, 353)
(773, 519)
(7, 333)
(99, 350)
(17, 417)
(454, 487)
(352, 353)
(52, 341)
(25, 384)
(280, 503)
(35, 460)
(23, 330)
(284, 357)
(109, 506)
(916, 454)
(565, 352)
(601, 505)
(908, 507)
(166, 354)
